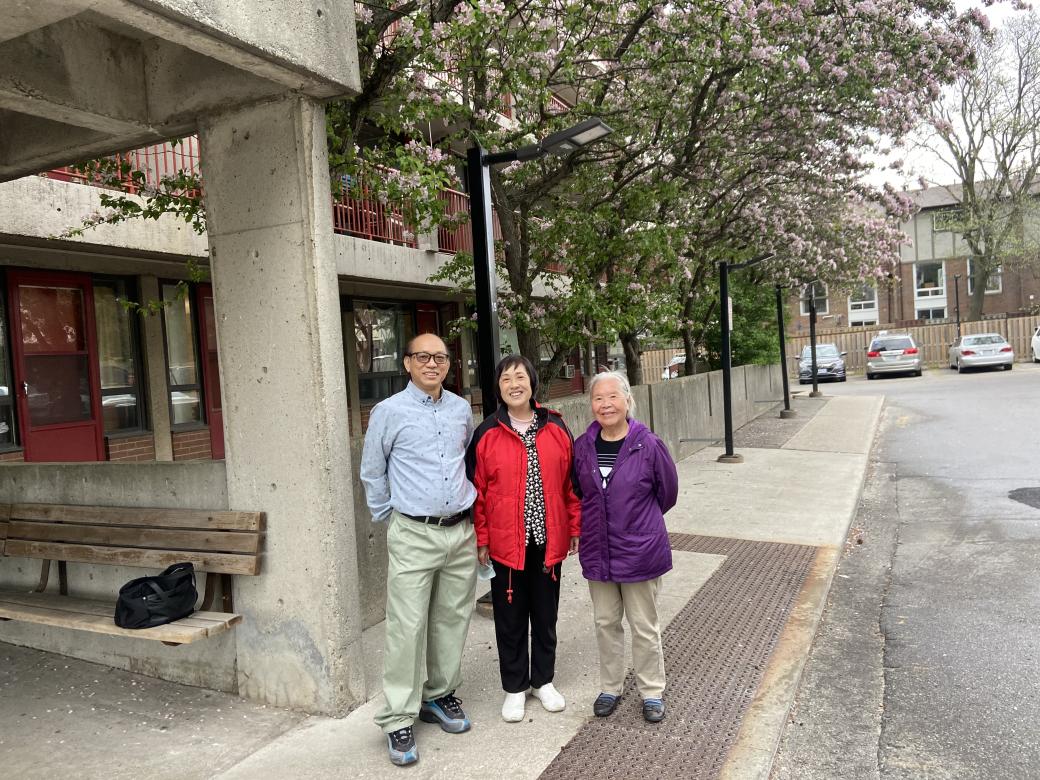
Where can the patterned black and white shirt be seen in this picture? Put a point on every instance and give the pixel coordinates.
(534, 493)
(607, 455)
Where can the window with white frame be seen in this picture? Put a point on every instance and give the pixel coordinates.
(929, 280)
(863, 304)
(818, 292)
(994, 284)
(937, 313)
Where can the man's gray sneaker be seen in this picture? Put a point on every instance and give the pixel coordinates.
(401, 745)
(447, 711)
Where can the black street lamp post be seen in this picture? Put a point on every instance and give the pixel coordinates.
(787, 412)
(727, 359)
(957, 300)
(812, 340)
(478, 180)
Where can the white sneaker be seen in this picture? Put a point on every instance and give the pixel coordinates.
(513, 707)
(550, 698)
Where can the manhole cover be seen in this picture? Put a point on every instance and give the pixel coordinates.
(1027, 496)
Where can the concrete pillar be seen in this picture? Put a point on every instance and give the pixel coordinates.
(269, 219)
(155, 366)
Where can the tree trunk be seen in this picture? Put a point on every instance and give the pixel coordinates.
(633, 362)
(980, 278)
(688, 345)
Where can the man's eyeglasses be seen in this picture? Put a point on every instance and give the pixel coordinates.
(440, 358)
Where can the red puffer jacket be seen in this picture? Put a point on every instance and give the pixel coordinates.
(496, 463)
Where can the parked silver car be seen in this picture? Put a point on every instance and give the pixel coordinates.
(893, 353)
(981, 350)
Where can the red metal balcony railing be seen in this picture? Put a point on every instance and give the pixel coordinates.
(155, 162)
(459, 238)
(358, 212)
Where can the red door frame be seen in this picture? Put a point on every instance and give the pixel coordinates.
(210, 383)
(16, 278)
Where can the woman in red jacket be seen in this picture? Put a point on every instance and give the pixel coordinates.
(527, 521)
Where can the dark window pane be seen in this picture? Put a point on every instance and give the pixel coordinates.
(381, 332)
(51, 318)
(59, 390)
(120, 411)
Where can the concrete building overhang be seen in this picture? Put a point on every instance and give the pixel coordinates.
(84, 78)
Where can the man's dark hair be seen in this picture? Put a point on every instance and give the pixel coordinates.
(512, 361)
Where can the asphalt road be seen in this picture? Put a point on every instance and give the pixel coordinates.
(927, 662)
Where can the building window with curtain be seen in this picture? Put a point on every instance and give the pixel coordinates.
(929, 280)
(8, 433)
(182, 356)
(122, 404)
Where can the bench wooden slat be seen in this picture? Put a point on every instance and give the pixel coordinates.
(3, 534)
(101, 608)
(221, 563)
(155, 538)
(81, 614)
(147, 516)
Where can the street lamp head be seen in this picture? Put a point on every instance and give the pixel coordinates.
(561, 144)
(573, 138)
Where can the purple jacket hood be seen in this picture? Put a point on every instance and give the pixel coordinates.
(623, 535)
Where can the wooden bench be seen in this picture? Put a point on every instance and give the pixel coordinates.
(219, 544)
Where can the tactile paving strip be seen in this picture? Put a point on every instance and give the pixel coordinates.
(715, 651)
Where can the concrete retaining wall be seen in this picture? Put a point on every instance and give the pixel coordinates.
(195, 485)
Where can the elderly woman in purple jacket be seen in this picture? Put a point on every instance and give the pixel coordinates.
(627, 481)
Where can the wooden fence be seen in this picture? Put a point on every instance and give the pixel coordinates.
(933, 340)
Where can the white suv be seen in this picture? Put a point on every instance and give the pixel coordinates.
(1036, 345)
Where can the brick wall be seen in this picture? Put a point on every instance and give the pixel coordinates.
(17, 456)
(192, 445)
(131, 448)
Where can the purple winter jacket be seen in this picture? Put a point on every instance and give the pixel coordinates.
(623, 536)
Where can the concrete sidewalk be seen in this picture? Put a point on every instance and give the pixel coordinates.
(58, 715)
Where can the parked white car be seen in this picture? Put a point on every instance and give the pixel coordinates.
(674, 367)
(1036, 345)
(981, 350)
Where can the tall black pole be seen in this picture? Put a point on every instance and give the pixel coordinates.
(957, 299)
(727, 365)
(787, 412)
(488, 351)
(812, 341)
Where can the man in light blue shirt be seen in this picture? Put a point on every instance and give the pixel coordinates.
(414, 473)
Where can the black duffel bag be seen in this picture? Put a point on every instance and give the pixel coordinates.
(154, 601)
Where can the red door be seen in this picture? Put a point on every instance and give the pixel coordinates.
(55, 366)
(211, 369)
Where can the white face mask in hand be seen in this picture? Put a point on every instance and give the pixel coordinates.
(485, 573)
